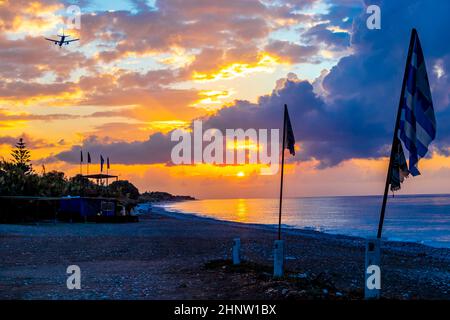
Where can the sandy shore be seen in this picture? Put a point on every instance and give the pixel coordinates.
(172, 256)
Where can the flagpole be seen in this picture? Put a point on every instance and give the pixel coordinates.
(397, 125)
(282, 173)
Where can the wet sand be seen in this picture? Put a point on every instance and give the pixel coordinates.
(175, 256)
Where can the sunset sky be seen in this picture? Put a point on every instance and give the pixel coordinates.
(144, 68)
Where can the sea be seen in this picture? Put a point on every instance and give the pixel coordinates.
(420, 218)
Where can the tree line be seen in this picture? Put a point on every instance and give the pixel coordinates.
(18, 178)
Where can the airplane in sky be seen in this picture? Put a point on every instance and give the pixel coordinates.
(62, 40)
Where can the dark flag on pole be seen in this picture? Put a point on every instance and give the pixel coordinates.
(107, 168)
(288, 143)
(415, 126)
(88, 161)
(102, 161)
(81, 162)
(290, 139)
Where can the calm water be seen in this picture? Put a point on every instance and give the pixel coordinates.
(424, 219)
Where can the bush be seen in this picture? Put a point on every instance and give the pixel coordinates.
(53, 184)
(15, 181)
(18, 179)
(124, 188)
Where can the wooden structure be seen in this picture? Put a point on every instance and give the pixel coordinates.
(30, 209)
(100, 177)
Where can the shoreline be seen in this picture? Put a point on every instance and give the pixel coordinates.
(292, 230)
(168, 257)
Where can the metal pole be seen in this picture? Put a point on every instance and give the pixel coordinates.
(282, 171)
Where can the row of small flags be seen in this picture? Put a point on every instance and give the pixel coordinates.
(102, 160)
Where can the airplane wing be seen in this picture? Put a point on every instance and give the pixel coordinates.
(52, 40)
(67, 41)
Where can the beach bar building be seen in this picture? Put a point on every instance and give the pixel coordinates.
(85, 208)
(100, 177)
(73, 209)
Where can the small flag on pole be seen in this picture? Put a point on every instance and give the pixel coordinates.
(102, 161)
(288, 143)
(417, 120)
(81, 162)
(107, 163)
(290, 139)
(89, 158)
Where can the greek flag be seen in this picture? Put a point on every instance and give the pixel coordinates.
(417, 120)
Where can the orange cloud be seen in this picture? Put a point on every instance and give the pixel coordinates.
(212, 99)
(21, 18)
(265, 63)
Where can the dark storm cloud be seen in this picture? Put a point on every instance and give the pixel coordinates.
(154, 150)
(321, 34)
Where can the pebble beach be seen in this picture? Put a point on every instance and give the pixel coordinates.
(175, 256)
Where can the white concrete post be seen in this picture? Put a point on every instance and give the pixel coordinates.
(236, 252)
(372, 271)
(278, 258)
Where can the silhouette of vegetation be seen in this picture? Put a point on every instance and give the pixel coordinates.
(158, 196)
(21, 156)
(17, 178)
(124, 188)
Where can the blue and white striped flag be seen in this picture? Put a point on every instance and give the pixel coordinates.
(417, 121)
